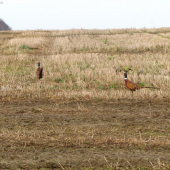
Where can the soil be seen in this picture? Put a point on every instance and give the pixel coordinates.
(85, 134)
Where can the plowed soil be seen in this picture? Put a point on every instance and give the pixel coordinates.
(115, 134)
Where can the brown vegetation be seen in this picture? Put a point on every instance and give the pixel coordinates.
(80, 115)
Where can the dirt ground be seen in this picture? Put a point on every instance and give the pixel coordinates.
(85, 134)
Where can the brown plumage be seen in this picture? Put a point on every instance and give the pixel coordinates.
(39, 72)
(134, 86)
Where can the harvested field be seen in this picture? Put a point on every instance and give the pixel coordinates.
(80, 115)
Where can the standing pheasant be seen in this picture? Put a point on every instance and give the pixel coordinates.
(39, 72)
(134, 86)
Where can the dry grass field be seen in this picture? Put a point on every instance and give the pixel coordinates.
(80, 115)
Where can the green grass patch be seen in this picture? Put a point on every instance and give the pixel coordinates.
(105, 41)
(58, 80)
(110, 58)
(141, 84)
(25, 47)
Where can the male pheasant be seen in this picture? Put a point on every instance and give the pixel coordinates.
(134, 86)
(39, 72)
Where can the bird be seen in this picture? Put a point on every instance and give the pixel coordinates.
(133, 86)
(39, 72)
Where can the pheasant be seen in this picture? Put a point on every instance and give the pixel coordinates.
(39, 72)
(134, 86)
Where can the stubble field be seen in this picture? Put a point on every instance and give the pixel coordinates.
(80, 115)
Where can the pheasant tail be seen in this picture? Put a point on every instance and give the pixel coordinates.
(151, 87)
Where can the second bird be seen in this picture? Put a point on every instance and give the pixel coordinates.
(39, 72)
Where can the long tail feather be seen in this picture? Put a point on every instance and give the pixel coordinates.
(151, 87)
